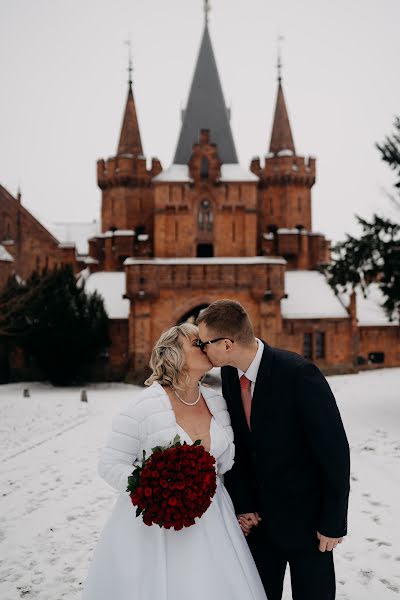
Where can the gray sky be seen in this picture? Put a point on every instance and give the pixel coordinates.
(63, 75)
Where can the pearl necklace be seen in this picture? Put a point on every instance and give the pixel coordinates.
(184, 401)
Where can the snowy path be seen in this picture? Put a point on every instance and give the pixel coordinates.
(53, 505)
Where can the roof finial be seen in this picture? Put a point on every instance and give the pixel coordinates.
(207, 9)
(279, 63)
(130, 64)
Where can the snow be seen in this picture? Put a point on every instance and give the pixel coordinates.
(216, 260)
(111, 285)
(119, 232)
(89, 260)
(285, 153)
(369, 310)
(295, 231)
(143, 237)
(310, 297)
(4, 255)
(54, 505)
(235, 172)
(229, 172)
(175, 173)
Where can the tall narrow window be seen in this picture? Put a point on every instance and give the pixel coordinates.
(320, 344)
(204, 167)
(307, 345)
(205, 217)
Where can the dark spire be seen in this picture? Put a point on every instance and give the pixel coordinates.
(129, 141)
(281, 137)
(206, 108)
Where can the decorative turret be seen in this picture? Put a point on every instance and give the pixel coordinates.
(127, 196)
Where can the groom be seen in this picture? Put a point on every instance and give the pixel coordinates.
(290, 480)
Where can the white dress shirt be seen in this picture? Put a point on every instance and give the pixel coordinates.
(252, 371)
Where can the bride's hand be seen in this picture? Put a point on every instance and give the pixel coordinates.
(247, 521)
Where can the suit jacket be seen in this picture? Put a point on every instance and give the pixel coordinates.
(293, 467)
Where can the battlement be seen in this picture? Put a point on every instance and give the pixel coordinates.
(285, 169)
(125, 169)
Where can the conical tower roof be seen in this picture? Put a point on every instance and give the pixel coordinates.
(129, 141)
(206, 109)
(281, 137)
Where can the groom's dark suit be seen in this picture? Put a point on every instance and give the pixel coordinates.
(292, 468)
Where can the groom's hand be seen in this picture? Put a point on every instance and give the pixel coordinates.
(327, 543)
(247, 521)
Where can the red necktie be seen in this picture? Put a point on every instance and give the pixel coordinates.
(245, 388)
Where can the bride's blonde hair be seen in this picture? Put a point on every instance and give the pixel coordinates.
(168, 359)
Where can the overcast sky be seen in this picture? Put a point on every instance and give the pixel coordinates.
(64, 83)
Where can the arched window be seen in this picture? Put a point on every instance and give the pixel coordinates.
(205, 219)
(204, 167)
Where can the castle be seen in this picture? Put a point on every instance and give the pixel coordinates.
(174, 240)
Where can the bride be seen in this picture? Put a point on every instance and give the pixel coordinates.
(207, 561)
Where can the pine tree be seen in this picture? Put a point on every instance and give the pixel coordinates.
(55, 322)
(375, 256)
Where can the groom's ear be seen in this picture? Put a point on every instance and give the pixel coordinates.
(228, 345)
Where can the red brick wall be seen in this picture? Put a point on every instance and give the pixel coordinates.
(381, 339)
(339, 342)
(34, 246)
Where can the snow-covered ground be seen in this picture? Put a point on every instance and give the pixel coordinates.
(53, 504)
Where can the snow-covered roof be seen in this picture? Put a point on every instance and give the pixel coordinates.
(310, 297)
(229, 172)
(369, 310)
(175, 173)
(118, 232)
(111, 286)
(89, 260)
(223, 260)
(284, 230)
(285, 153)
(78, 233)
(4, 255)
(235, 172)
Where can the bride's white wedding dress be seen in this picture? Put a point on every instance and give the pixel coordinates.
(208, 561)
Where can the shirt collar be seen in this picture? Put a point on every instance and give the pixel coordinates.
(252, 371)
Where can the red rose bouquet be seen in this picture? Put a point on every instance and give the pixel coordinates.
(174, 485)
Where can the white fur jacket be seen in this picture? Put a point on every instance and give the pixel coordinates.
(148, 421)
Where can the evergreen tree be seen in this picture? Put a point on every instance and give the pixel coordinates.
(375, 256)
(56, 322)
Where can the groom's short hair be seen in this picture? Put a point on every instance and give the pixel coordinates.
(228, 318)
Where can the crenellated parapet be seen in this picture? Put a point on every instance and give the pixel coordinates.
(285, 168)
(125, 170)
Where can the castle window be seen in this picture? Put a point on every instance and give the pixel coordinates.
(204, 167)
(320, 344)
(377, 358)
(205, 250)
(205, 219)
(307, 345)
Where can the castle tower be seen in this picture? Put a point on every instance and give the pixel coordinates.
(205, 203)
(205, 228)
(284, 197)
(127, 205)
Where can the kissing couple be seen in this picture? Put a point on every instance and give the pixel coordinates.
(281, 459)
